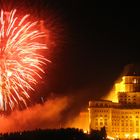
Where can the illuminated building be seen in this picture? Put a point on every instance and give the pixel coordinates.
(122, 119)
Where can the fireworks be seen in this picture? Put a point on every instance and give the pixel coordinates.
(20, 60)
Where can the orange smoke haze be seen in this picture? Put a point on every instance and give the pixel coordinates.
(81, 121)
(111, 96)
(43, 116)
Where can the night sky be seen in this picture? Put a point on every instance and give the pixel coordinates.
(94, 41)
(100, 42)
(101, 38)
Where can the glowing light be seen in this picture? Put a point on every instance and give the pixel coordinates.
(111, 96)
(120, 87)
(85, 131)
(135, 81)
(111, 138)
(126, 135)
(135, 135)
(20, 60)
(81, 121)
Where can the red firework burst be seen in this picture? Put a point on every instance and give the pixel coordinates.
(20, 60)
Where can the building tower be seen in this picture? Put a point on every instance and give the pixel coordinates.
(128, 89)
(122, 119)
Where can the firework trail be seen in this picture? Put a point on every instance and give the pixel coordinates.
(20, 60)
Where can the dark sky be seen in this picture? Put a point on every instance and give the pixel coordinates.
(100, 42)
(101, 38)
(96, 39)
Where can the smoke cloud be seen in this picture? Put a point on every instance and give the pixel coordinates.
(47, 115)
(80, 121)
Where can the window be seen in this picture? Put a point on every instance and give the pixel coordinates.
(137, 123)
(101, 105)
(131, 123)
(101, 123)
(96, 104)
(135, 81)
(137, 129)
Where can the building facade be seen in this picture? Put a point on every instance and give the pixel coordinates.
(122, 119)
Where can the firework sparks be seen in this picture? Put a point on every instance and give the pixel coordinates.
(20, 60)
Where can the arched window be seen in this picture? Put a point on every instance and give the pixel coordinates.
(134, 81)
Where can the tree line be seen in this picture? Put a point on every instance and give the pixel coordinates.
(55, 134)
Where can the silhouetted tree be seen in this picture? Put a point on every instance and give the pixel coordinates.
(103, 133)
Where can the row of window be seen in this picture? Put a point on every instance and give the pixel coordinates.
(130, 112)
(129, 130)
(115, 112)
(123, 123)
(127, 96)
(117, 117)
(102, 105)
(101, 110)
(128, 124)
(129, 99)
(100, 115)
(101, 124)
(117, 130)
(130, 116)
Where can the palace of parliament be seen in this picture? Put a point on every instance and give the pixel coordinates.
(121, 119)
